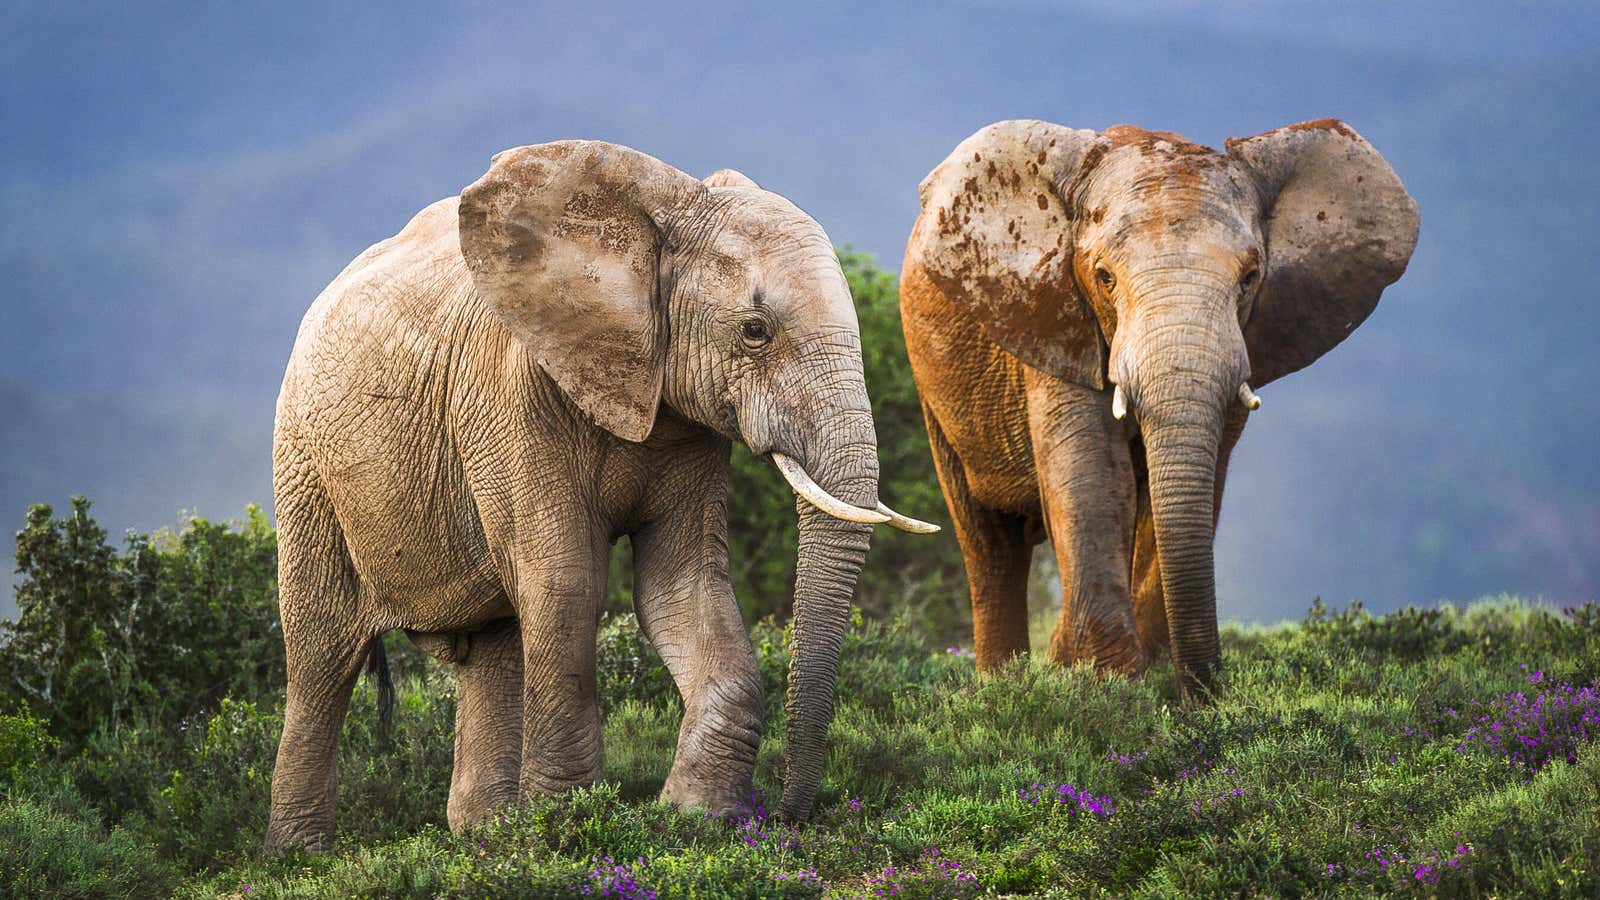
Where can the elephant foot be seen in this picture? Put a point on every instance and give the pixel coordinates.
(1123, 658)
(306, 837)
(1132, 665)
(692, 795)
(473, 802)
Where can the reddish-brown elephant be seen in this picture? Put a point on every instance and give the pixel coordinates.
(1059, 280)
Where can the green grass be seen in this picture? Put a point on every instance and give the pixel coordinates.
(1330, 763)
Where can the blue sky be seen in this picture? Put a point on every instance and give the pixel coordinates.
(177, 184)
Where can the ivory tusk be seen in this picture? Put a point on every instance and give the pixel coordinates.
(813, 494)
(1119, 403)
(1248, 397)
(906, 523)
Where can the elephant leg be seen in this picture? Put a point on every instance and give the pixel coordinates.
(1086, 489)
(1149, 603)
(997, 553)
(488, 756)
(687, 608)
(326, 647)
(559, 591)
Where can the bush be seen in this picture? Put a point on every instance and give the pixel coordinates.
(50, 848)
(24, 742)
(167, 627)
(628, 666)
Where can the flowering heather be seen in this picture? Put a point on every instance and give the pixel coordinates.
(612, 879)
(1068, 796)
(1530, 731)
(1422, 867)
(800, 876)
(936, 877)
(1125, 761)
(954, 778)
(761, 831)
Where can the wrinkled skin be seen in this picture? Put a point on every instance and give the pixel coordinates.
(1052, 267)
(476, 408)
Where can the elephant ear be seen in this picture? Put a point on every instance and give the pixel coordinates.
(563, 241)
(996, 238)
(1339, 228)
(729, 178)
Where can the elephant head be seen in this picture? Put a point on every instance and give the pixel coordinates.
(635, 285)
(1176, 275)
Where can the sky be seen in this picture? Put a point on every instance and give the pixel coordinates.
(177, 183)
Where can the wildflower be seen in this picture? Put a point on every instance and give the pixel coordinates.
(934, 875)
(608, 878)
(1531, 732)
(1069, 797)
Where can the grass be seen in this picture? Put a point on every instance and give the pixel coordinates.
(1344, 755)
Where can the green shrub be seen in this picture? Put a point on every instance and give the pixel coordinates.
(215, 806)
(23, 743)
(51, 847)
(160, 631)
(629, 668)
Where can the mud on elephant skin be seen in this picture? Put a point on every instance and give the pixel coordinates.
(477, 407)
(1088, 315)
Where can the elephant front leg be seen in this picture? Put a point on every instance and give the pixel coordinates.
(488, 755)
(1086, 490)
(687, 609)
(559, 593)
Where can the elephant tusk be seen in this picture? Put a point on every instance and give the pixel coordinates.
(906, 523)
(1119, 403)
(1248, 397)
(813, 493)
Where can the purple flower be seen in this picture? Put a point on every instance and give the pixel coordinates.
(934, 874)
(1531, 732)
(1068, 797)
(611, 879)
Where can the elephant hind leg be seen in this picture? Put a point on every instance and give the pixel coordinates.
(326, 645)
(488, 755)
(997, 552)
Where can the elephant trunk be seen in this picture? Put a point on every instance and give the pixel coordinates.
(831, 554)
(1182, 371)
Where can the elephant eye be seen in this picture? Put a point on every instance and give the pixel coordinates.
(1108, 281)
(1248, 280)
(755, 331)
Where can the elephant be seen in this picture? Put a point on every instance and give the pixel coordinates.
(476, 408)
(1058, 280)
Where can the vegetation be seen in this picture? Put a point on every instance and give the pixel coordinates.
(1444, 752)
(1431, 752)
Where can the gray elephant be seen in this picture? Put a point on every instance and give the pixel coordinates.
(1085, 313)
(477, 407)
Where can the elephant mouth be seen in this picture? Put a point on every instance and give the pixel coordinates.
(807, 489)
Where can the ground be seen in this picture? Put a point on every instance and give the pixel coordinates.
(1435, 752)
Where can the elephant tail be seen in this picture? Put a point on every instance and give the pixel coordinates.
(378, 664)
